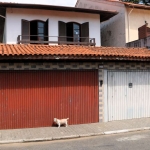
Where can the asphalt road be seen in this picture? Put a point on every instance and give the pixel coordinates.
(127, 141)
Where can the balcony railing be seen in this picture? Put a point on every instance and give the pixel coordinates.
(61, 40)
(139, 43)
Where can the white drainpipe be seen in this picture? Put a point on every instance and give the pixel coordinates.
(129, 24)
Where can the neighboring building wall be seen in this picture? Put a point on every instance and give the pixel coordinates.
(112, 30)
(14, 16)
(135, 19)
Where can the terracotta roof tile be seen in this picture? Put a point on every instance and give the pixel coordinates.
(73, 51)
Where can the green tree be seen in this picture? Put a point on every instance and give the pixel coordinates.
(145, 2)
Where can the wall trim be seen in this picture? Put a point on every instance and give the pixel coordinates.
(105, 97)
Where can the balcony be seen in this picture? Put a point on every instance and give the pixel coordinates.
(55, 40)
(139, 43)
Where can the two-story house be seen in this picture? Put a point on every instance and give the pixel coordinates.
(52, 65)
(43, 75)
(123, 28)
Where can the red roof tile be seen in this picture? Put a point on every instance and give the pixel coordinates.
(73, 51)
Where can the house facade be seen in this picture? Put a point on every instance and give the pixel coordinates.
(43, 75)
(52, 24)
(83, 83)
(42, 78)
(123, 28)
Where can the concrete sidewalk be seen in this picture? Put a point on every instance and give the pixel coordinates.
(73, 131)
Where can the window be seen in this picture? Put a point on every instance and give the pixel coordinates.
(34, 31)
(76, 32)
(37, 30)
(40, 30)
(73, 32)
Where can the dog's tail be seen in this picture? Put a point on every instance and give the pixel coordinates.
(67, 118)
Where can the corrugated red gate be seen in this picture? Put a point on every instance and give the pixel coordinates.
(34, 98)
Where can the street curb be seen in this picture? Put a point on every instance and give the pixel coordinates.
(65, 137)
(91, 134)
(38, 139)
(146, 128)
(11, 141)
(26, 140)
(126, 130)
(115, 132)
(74, 136)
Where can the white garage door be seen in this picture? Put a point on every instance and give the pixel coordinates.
(128, 94)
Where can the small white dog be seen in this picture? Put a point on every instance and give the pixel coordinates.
(60, 122)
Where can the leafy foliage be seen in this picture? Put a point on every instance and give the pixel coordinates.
(145, 2)
(132, 1)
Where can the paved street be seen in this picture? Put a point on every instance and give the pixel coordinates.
(126, 141)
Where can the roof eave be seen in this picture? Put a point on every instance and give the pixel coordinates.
(105, 15)
(67, 57)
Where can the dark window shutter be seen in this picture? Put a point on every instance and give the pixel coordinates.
(46, 30)
(25, 30)
(62, 31)
(85, 32)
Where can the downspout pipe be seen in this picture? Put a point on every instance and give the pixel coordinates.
(129, 23)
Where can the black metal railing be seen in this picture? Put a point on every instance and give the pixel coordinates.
(64, 40)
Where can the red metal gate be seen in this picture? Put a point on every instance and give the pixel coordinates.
(33, 98)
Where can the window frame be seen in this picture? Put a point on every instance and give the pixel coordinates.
(73, 35)
(36, 21)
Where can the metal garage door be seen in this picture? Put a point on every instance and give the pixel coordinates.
(128, 94)
(34, 98)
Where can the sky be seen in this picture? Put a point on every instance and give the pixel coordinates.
(50, 2)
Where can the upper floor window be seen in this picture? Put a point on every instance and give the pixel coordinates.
(76, 32)
(40, 30)
(73, 32)
(34, 31)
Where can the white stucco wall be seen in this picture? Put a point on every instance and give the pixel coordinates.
(112, 30)
(134, 20)
(14, 17)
